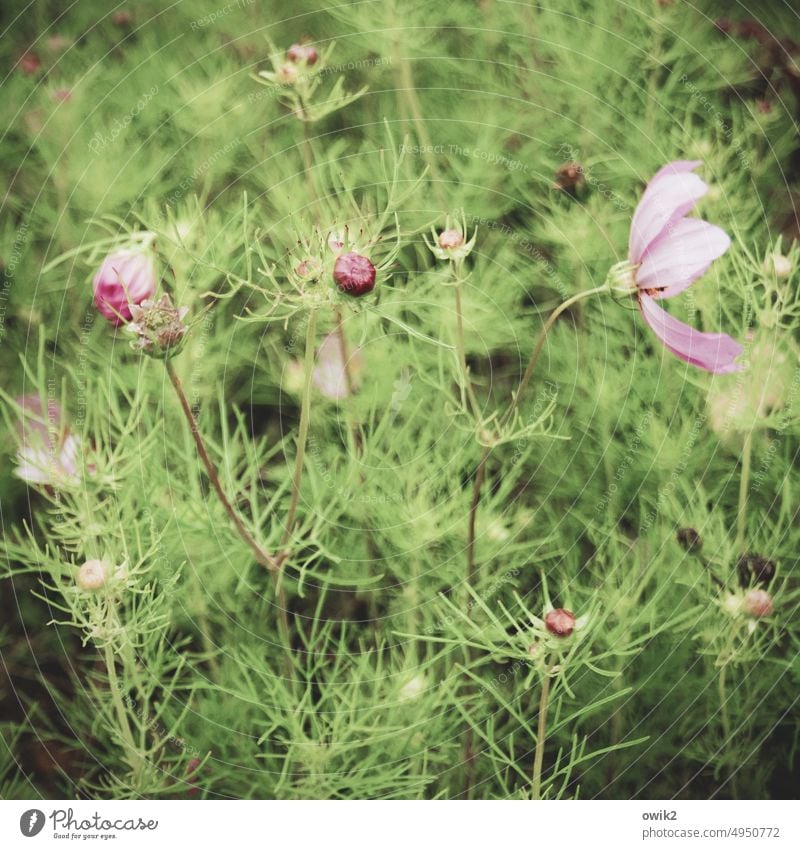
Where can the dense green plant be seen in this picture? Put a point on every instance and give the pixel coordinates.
(302, 591)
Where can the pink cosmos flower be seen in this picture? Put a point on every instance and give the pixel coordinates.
(669, 251)
(126, 277)
(48, 454)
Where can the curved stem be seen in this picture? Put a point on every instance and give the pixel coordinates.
(541, 737)
(526, 378)
(261, 555)
(480, 472)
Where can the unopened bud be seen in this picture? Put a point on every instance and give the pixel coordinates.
(779, 264)
(308, 268)
(755, 568)
(92, 575)
(288, 73)
(354, 274)
(560, 622)
(569, 177)
(125, 278)
(689, 539)
(450, 239)
(758, 603)
(302, 54)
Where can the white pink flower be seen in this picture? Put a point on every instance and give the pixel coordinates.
(669, 251)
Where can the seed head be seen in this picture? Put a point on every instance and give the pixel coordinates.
(158, 326)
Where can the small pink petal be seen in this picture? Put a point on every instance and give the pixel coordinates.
(667, 198)
(678, 166)
(714, 352)
(682, 253)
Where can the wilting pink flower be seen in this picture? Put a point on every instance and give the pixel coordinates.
(669, 251)
(126, 277)
(329, 375)
(48, 454)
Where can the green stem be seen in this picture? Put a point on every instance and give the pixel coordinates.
(480, 476)
(466, 383)
(133, 755)
(408, 92)
(744, 483)
(261, 555)
(554, 316)
(541, 737)
(480, 472)
(726, 720)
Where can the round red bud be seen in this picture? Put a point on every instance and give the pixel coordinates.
(354, 274)
(560, 622)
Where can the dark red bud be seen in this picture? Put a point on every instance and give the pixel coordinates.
(755, 568)
(560, 622)
(689, 539)
(354, 274)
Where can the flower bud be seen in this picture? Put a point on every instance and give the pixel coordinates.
(122, 18)
(92, 575)
(450, 239)
(354, 274)
(125, 277)
(560, 622)
(302, 54)
(755, 568)
(158, 326)
(689, 539)
(29, 63)
(288, 73)
(779, 264)
(336, 241)
(569, 177)
(757, 603)
(308, 269)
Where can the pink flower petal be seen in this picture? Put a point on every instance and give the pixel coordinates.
(714, 352)
(670, 196)
(682, 253)
(678, 166)
(329, 375)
